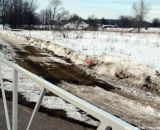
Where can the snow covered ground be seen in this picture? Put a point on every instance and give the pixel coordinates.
(73, 25)
(143, 48)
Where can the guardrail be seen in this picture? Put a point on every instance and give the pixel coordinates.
(108, 121)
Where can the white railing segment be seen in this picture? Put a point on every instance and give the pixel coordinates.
(107, 120)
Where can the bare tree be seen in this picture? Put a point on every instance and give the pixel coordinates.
(45, 17)
(55, 14)
(141, 9)
(61, 17)
(76, 19)
(42, 17)
(29, 8)
(127, 21)
(21, 13)
(3, 8)
(54, 9)
(92, 21)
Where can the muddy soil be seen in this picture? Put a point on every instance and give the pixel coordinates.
(55, 72)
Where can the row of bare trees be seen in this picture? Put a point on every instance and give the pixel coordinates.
(137, 20)
(54, 14)
(140, 9)
(20, 13)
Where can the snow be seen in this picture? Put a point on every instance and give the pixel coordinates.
(134, 108)
(73, 25)
(143, 48)
(48, 59)
(6, 51)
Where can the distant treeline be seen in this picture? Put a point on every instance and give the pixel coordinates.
(20, 13)
(126, 22)
(23, 14)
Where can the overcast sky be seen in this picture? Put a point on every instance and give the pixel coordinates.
(104, 8)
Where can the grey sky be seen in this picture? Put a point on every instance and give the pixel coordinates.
(104, 8)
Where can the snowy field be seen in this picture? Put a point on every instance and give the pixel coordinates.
(143, 48)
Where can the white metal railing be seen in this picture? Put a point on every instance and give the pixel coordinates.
(108, 121)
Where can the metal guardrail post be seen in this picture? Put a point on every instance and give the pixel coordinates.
(4, 101)
(15, 102)
(39, 102)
